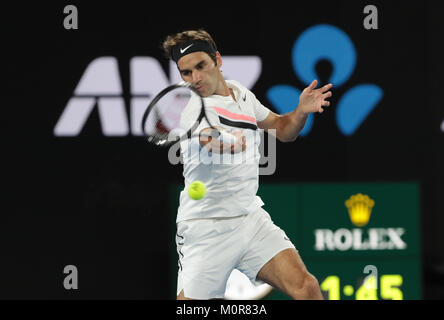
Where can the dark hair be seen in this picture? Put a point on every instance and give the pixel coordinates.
(180, 38)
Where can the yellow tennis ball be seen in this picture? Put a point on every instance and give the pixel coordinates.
(197, 190)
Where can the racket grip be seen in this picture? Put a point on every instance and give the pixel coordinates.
(226, 137)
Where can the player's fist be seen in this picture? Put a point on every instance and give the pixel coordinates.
(241, 142)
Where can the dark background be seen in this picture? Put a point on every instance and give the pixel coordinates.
(102, 203)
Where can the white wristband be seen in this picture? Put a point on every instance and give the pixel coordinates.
(226, 137)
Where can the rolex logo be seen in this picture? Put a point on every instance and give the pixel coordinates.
(359, 209)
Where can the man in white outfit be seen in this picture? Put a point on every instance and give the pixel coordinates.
(228, 229)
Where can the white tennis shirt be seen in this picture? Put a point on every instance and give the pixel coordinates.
(231, 181)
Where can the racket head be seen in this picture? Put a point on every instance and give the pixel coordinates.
(161, 123)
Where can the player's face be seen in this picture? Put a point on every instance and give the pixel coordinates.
(200, 70)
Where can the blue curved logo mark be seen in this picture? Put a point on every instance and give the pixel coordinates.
(355, 105)
(327, 42)
(324, 42)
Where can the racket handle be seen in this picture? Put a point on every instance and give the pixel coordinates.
(226, 137)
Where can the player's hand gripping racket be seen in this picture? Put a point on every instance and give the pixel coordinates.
(163, 121)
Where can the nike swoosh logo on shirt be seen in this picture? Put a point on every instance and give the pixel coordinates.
(185, 49)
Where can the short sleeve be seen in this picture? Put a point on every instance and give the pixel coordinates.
(260, 111)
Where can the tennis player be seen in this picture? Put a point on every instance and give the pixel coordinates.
(228, 228)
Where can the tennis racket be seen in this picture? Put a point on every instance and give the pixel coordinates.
(165, 123)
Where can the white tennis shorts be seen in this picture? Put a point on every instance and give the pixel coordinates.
(209, 250)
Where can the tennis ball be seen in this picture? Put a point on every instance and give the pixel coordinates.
(197, 190)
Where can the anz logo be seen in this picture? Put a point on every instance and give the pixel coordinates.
(101, 87)
(327, 42)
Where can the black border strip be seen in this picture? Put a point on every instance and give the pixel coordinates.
(237, 124)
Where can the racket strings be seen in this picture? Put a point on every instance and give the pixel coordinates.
(165, 122)
(163, 125)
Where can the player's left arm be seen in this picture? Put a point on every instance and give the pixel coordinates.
(289, 126)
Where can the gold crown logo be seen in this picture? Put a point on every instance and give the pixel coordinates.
(359, 209)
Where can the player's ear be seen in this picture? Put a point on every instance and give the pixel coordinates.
(218, 59)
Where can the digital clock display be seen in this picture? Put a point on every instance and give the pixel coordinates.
(355, 280)
(390, 287)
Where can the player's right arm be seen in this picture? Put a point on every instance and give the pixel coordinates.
(222, 141)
